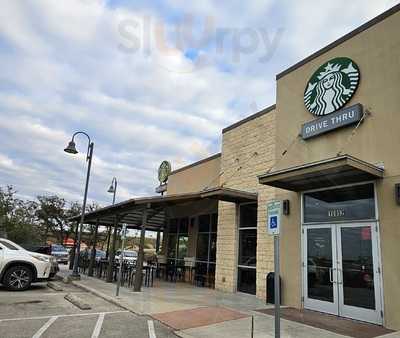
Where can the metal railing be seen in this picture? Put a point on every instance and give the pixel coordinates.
(100, 269)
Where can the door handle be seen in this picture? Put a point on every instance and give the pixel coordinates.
(331, 275)
(340, 276)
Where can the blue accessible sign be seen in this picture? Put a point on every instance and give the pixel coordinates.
(273, 217)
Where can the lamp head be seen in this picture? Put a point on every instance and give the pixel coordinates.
(71, 149)
(111, 189)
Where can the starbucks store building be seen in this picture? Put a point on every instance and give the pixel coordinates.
(337, 164)
(329, 151)
(329, 148)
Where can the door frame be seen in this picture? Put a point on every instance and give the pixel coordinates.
(355, 312)
(314, 304)
(377, 276)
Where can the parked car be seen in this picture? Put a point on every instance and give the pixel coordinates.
(60, 253)
(43, 249)
(100, 254)
(19, 267)
(130, 257)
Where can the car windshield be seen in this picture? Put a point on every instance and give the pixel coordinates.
(10, 245)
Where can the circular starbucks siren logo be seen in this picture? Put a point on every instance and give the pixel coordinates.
(331, 86)
(163, 171)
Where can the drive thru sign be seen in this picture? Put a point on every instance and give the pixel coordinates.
(274, 217)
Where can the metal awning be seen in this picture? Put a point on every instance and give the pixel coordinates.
(130, 212)
(334, 171)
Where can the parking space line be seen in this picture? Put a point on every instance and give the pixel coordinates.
(60, 316)
(99, 324)
(152, 333)
(39, 333)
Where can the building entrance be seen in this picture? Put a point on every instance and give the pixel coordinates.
(341, 273)
(341, 266)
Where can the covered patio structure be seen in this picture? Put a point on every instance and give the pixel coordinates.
(156, 214)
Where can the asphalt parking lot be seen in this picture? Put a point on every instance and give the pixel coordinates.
(43, 312)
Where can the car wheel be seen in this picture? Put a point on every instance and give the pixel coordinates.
(18, 278)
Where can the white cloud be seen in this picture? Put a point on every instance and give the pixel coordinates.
(63, 69)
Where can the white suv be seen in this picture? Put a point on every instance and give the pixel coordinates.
(19, 267)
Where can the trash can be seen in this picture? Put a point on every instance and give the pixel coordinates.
(271, 288)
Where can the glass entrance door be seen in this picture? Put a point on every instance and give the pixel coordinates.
(358, 274)
(320, 269)
(340, 271)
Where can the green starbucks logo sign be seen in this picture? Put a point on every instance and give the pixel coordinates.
(331, 86)
(164, 171)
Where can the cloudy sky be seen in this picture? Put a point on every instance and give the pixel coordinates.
(148, 80)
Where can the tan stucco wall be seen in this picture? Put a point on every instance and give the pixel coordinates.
(376, 51)
(247, 151)
(196, 177)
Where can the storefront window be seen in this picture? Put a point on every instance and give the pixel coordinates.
(182, 246)
(342, 204)
(202, 247)
(247, 280)
(172, 246)
(178, 240)
(206, 249)
(213, 247)
(204, 223)
(248, 216)
(247, 248)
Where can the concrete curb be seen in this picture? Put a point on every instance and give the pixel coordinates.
(74, 299)
(55, 286)
(107, 298)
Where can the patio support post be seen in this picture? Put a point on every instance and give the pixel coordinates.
(158, 241)
(111, 254)
(72, 256)
(108, 241)
(139, 266)
(93, 252)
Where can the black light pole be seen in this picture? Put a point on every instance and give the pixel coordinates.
(71, 149)
(113, 188)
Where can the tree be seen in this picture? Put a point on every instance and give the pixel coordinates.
(53, 215)
(7, 205)
(30, 222)
(17, 217)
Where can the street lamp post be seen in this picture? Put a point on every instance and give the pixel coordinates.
(71, 149)
(112, 190)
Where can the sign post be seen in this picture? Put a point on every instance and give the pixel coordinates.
(121, 259)
(274, 210)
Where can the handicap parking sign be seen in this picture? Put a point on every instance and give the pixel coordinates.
(273, 217)
(273, 220)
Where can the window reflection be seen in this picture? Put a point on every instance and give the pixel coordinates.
(178, 239)
(247, 248)
(319, 264)
(342, 204)
(206, 250)
(358, 271)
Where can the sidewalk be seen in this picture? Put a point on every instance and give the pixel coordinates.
(168, 297)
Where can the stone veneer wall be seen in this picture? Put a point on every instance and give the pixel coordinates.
(247, 151)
